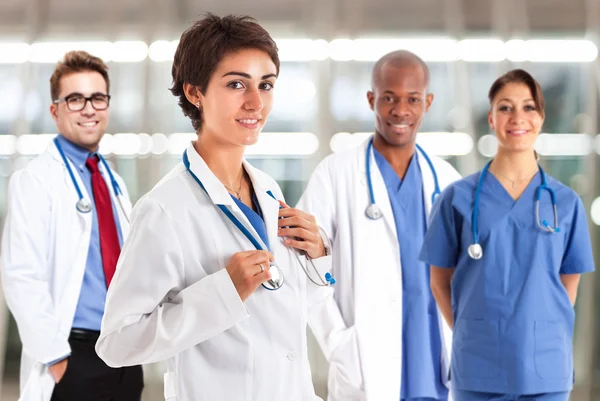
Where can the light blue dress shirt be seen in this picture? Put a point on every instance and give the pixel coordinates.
(92, 298)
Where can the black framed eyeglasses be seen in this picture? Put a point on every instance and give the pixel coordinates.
(77, 102)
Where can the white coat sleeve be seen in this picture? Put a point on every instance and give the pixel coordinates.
(449, 175)
(151, 312)
(324, 317)
(25, 269)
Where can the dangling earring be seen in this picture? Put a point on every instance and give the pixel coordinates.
(198, 105)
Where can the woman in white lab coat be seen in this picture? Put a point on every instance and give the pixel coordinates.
(209, 280)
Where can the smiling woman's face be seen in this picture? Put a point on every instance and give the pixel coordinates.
(239, 97)
(514, 118)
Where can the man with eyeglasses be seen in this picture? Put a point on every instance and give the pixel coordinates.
(67, 219)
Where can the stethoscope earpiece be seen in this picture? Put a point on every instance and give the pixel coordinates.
(329, 280)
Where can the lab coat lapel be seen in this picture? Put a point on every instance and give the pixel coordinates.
(379, 189)
(378, 285)
(378, 252)
(220, 196)
(212, 186)
(85, 219)
(268, 204)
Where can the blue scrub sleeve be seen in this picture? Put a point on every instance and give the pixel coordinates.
(578, 256)
(442, 240)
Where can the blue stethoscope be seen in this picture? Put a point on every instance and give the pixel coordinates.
(83, 205)
(277, 277)
(475, 250)
(373, 211)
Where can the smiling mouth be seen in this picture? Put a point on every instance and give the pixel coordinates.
(517, 132)
(249, 122)
(400, 128)
(89, 124)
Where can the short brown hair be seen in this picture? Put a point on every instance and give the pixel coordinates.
(521, 77)
(77, 61)
(202, 47)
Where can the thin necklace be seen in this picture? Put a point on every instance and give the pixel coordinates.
(514, 182)
(237, 193)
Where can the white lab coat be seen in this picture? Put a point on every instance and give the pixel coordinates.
(365, 362)
(172, 298)
(44, 252)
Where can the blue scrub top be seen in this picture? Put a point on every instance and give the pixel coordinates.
(421, 342)
(513, 320)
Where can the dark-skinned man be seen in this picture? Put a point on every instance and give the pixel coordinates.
(373, 201)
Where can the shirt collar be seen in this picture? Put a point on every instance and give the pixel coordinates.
(75, 153)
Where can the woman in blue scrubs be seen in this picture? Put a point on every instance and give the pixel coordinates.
(504, 275)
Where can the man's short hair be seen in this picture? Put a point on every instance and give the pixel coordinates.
(73, 62)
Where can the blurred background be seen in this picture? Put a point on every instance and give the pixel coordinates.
(327, 48)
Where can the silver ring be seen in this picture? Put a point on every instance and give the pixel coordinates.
(262, 269)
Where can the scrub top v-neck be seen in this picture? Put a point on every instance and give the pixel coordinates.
(255, 218)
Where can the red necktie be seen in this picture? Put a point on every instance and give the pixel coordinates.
(109, 238)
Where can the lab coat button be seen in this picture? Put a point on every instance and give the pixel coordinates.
(291, 355)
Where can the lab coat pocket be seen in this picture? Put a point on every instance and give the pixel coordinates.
(551, 350)
(345, 379)
(170, 392)
(476, 350)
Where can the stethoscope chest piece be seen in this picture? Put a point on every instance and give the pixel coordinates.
(475, 251)
(83, 205)
(373, 212)
(276, 281)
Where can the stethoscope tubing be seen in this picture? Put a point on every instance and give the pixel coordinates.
(372, 203)
(114, 183)
(543, 225)
(328, 280)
